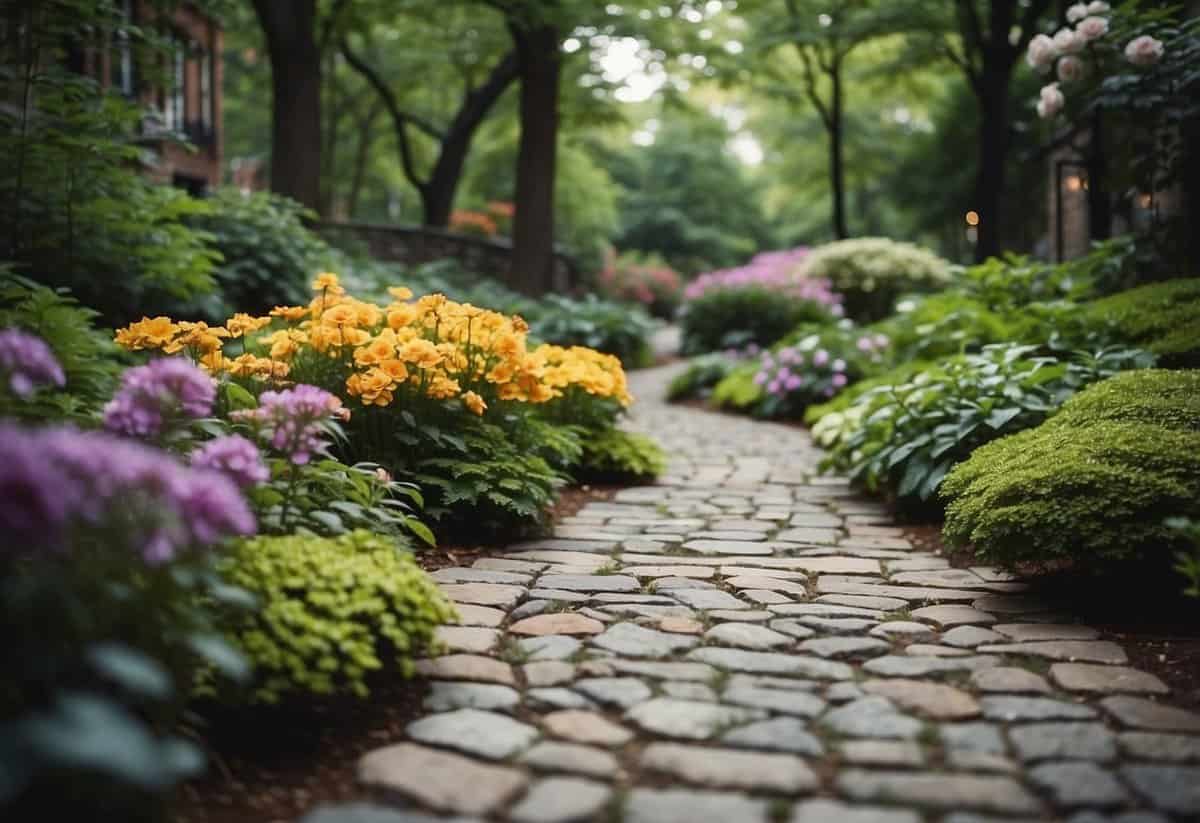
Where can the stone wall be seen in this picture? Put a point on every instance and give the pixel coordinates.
(413, 245)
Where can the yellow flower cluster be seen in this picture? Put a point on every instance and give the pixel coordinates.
(429, 347)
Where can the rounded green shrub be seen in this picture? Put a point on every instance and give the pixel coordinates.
(737, 317)
(871, 272)
(1093, 484)
(1163, 318)
(616, 455)
(331, 611)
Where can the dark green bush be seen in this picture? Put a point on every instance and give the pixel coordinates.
(331, 612)
(269, 257)
(872, 272)
(733, 318)
(1093, 484)
(604, 325)
(1163, 318)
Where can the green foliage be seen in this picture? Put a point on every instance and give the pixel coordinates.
(1187, 561)
(1163, 318)
(87, 354)
(737, 389)
(485, 478)
(871, 272)
(642, 278)
(605, 325)
(846, 398)
(331, 612)
(910, 435)
(269, 256)
(1093, 484)
(617, 456)
(733, 318)
(78, 209)
(700, 376)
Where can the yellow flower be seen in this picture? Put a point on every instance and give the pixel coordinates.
(381, 348)
(290, 313)
(400, 292)
(401, 315)
(421, 353)
(372, 387)
(285, 343)
(441, 388)
(431, 302)
(328, 282)
(149, 332)
(213, 362)
(367, 314)
(507, 345)
(199, 336)
(242, 323)
(342, 314)
(501, 373)
(474, 402)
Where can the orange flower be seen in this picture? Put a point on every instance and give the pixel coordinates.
(149, 332)
(400, 292)
(290, 313)
(401, 315)
(327, 281)
(474, 402)
(421, 353)
(242, 323)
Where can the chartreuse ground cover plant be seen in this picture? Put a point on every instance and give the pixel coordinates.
(334, 611)
(445, 393)
(1094, 485)
(905, 438)
(870, 273)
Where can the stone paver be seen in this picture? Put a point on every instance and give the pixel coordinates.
(750, 641)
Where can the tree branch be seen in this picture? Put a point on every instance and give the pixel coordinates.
(329, 25)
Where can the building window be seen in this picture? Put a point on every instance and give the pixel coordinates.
(125, 82)
(174, 99)
(207, 113)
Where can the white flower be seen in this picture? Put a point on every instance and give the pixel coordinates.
(1067, 41)
(1077, 12)
(1041, 53)
(1092, 28)
(1144, 51)
(1097, 7)
(1051, 101)
(1071, 69)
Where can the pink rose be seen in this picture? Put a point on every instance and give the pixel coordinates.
(1071, 69)
(1098, 7)
(1092, 28)
(1067, 41)
(1041, 53)
(1077, 12)
(1144, 51)
(1050, 102)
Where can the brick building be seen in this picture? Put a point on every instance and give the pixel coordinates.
(181, 92)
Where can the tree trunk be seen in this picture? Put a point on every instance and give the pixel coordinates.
(1099, 204)
(296, 98)
(538, 63)
(992, 159)
(837, 173)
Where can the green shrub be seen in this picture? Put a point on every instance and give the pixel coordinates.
(849, 396)
(1187, 560)
(331, 612)
(617, 456)
(871, 272)
(1163, 318)
(701, 375)
(910, 435)
(1093, 484)
(87, 354)
(736, 317)
(604, 325)
(737, 390)
(269, 256)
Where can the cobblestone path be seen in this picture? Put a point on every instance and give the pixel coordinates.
(747, 641)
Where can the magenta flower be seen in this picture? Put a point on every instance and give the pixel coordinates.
(839, 380)
(776, 271)
(293, 420)
(820, 357)
(761, 377)
(28, 362)
(235, 457)
(161, 391)
(58, 486)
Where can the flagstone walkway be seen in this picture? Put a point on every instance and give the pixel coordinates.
(747, 641)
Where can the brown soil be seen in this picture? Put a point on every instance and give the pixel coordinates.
(276, 763)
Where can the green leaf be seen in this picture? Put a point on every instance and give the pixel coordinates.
(132, 670)
(1000, 417)
(421, 530)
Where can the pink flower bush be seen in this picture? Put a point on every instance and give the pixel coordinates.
(162, 391)
(775, 271)
(27, 362)
(235, 457)
(1144, 51)
(293, 421)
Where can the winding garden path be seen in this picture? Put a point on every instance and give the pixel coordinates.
(747, 641)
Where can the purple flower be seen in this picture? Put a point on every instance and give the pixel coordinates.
(28, 362)
(794, 382)
(293, 420)
(777, 271)
(235, 457)
(761, 377)
(839, 380)
(839, 365)
(820, 358)
(58, 486)
(865, 344)
(162, 390)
